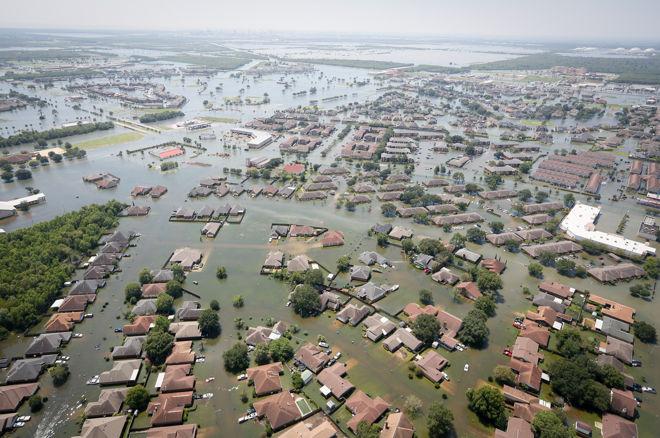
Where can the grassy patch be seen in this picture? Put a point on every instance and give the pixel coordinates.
(110, 140)
(219, 62)
(219, 119)
(532, 122)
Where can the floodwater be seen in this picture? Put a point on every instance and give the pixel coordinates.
(241, 248)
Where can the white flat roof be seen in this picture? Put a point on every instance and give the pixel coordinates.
(579, 224)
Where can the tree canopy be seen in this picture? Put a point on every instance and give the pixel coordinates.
(488, 403)
(236, 358)
(209, 323)
(426, 328)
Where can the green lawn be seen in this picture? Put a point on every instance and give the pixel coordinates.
(110, 140)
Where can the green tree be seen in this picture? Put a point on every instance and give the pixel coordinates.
(535, 270)
(236, 358)
(133, 292)
(59, 374)
(439, 420)
(343, 263)
(569, 343)
(221, 273)
(488, 403)
(388, 209)
(382, 240)
(305, 301)
(497, 227)
(489, 282)
(366, 430)
(238, 301)
(314, 277)
(474, 331)
(610, 377)
(569, 200)
(214, 305)
(524, 195)
(408, 246)
(23, 174)
(280, 350)
(525, 166)
(36, 403)
(261, 354)
(541, 196)
(164, 304)
(458, 240)
(179, 273)
(503, 375)
(546, 258)
(565, 267)
(145, 276)
(209, 323)
(174, 289)
(426, 328)
(476, 235)
(137, 398)
(425, 297)
(297, 383)
(645, 332)
(486, 304)
(547, 424)
(652, 267)
(158, 346)
(412, 406)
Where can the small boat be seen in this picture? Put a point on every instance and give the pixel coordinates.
(195, 282)
(466, 368)
(210, 379)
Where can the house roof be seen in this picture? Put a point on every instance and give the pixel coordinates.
(360, 273)
(312, 356)
(527, 350)
(189, 311)
(622, 402)
(109, 403)
(431, 364)
(266, 378)
(180, 431)
(11, 396)
(557, 289)
(28, 370)
(370, 292)
(618, 427)
(299, 263)
(516, 428)
(177, 378)
(528, 374)
(304, 429)
(145, 307)
(444, 275)
(63, 322)
(280, 409)
(397, 425)
(139, 326)
(132, 348)
(108, 427)
(364, 408)
(152, 290)
(535, 332)
(469, 289)
(123, 371)
(353, 314)
(333, 378)
(184, 330)
(167, 409)
(47, 343)
(181, 353)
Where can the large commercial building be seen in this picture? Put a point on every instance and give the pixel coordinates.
(579, 225)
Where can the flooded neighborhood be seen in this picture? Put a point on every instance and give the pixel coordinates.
(240, 234)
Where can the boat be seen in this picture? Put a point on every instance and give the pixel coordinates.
(466, 368)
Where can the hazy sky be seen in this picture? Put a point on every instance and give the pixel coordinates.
(613, 20)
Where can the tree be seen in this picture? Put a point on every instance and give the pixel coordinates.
(547, 424)
(610, 377)
(161, 324)
(425, 297)
(641, 290)
(297, 382)
(137, 398)
(503, 375)
(458, 177)
(525, 166)
(343, 263)
(381, 239)
(59, 374)
(280, 350)
(178, 273)
(237, 301)
(158, 346)
(573, 379)
(472, 188)
(431, 247)
(565, 267)
(388, 209)
(546, 258)
(306, 301)
(209, 323)
(174, 289)
(145, 276)
(458, 240)
(645, 332)
(524, 195)
(541, 196)
(439, 420)
(164, 304)
(474, 331)
(412, 406)
(569, 343)
(489, 281)
(497, 227)
(426, 328)
(408, 246)
(236, 358)
(366, 430)
(261, 354)
(652, 267)
(7, 176)
(313, 277)
(535, 270)
(23, 174)
(476, 235)
(221, 273)
(488, 403)
(569, 200)
(133, 292)
(214, 305)
(36, 403)
(486, 304)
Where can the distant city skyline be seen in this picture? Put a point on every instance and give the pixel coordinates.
(559, 20)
